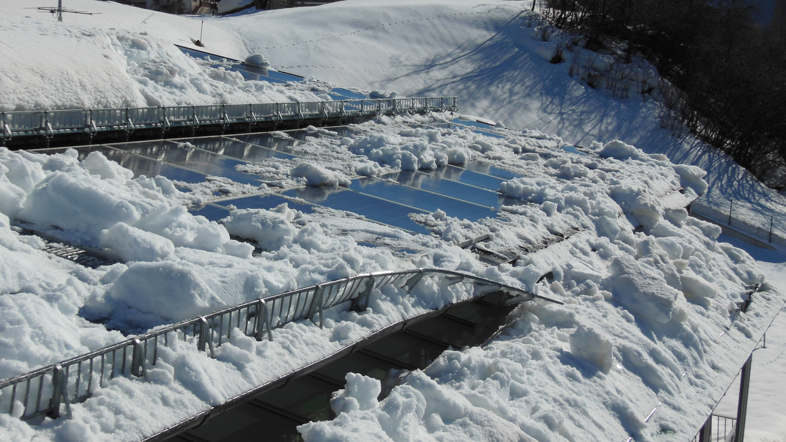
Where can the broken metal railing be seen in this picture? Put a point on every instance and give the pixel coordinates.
(49, 123)
(46, 390)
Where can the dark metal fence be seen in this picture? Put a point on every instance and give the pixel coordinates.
(717, 429)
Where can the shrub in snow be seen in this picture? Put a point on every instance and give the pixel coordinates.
(133, 244)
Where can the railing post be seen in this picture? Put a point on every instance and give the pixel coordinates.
(6, 130)
(731, 207)
(263, 320)
(742, 404)
(204, 338)
(136, 358)
(59, 391)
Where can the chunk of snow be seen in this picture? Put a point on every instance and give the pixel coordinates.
(257, 60)
(360, 393)
(589, 345)
(134, 244)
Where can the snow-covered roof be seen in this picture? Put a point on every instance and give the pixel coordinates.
(650, 296)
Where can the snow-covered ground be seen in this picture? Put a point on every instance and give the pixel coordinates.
(605, 357)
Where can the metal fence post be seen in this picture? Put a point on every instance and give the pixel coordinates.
(263, 320)
(59, 391)
(731, 207)
(742, 404)
(204, 338)
(136, 358)
(705, 434)
(772, 218)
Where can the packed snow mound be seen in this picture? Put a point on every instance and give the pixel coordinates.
(318, 176)
(360, 393)
(271, 229)
(621, 151)
(165, 289)
(133, 244)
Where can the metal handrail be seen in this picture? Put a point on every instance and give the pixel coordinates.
(92, 121)
(42, 391)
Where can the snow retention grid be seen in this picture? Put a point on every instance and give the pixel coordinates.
(44, 391)
(91, 121)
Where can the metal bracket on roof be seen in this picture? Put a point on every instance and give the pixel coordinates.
(452, 280)
(7, 134)
(413, 281)
(520, 296)
(316, 304)
(360, 303)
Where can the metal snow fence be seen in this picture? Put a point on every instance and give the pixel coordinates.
(146, 116)
(237, 113)
(265, 111)
(289, 110)
(333, 108)
(68, 120)
(311, 109)
(110, 119)
(43, 391)
(91, 121)
(717, 429)
(179, 116)
(213, 114)
(23, 122)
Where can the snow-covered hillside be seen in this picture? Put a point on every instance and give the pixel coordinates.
(494, 56)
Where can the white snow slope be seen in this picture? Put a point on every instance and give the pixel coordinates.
(591, 369)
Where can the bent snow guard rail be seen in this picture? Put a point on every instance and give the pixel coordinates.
(93, 121)
(46, 390)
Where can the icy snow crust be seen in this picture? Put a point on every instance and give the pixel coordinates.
(648, 317)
